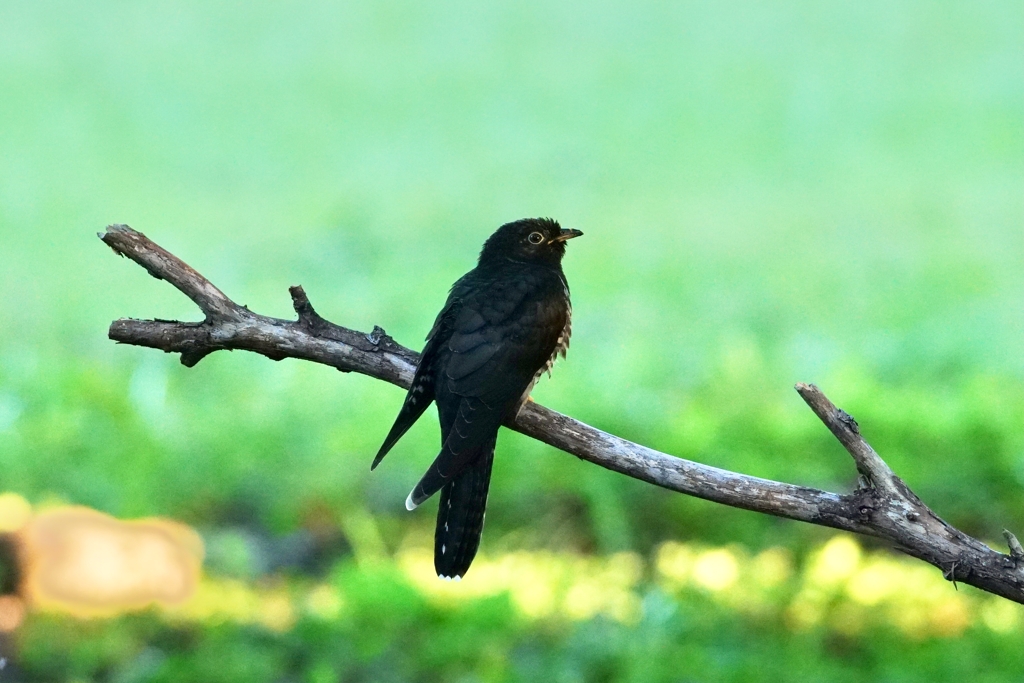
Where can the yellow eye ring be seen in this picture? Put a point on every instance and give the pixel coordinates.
(535, 238)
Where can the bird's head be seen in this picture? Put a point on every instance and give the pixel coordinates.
(531, 240)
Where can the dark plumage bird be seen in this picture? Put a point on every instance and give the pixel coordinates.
(503, 325)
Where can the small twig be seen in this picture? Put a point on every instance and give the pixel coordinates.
(163, 265)
(1016, 550)
(884, 508)
(845, 428)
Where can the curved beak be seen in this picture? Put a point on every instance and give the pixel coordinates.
(565, 234)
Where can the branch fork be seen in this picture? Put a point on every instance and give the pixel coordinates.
(882, 506)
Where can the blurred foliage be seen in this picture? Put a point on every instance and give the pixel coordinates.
(844, 616)
(807, 191)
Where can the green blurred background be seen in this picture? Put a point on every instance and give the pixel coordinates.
(807, 191)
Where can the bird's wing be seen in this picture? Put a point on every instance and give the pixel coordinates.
(499, 341)
(421, 392)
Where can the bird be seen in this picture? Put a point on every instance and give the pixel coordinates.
(504, 324)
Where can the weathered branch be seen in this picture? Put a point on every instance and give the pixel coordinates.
(883, 506)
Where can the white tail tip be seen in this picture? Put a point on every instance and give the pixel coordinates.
(409, 505)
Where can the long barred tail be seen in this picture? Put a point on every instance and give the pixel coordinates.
(460, 517)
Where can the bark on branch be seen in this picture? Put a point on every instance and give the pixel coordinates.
(882, 505)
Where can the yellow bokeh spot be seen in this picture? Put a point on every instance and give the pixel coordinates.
(276, 612)
(674, 562)
(1002, 616)
(835, 562)
(951, 617)
(534, 598)
(221, 600)
(806, 609)
(15, 512)
(624, 606)
(875, 582)
(772, 567)
(911, 619)
(715, 569)
(583, 601)
(324, 602)
(625, 569)
(229, 600)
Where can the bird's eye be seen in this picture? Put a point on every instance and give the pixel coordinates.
(535, 238)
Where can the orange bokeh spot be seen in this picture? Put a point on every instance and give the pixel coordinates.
(85, 562)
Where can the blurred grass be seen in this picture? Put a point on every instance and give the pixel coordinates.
(825, 192)
(845, 615)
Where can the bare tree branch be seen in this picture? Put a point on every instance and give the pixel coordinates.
(882, 506)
